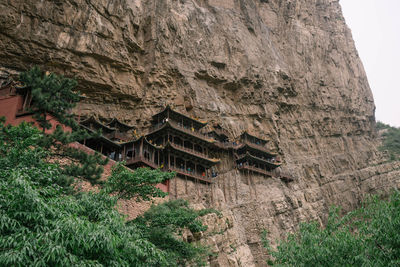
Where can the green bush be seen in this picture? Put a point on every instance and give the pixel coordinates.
(44, 222)
(369, 236)
(391, 140)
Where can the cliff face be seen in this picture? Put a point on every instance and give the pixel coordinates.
(286, 70)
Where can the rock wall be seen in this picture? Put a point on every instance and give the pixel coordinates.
(286, 70)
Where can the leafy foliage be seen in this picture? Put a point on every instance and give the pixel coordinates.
(54, 95)
(51, 94)
(368, 236)
(163, 223)
(391, 140)
(44, 222)
(138, 184)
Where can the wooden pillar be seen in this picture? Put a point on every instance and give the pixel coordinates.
(153, 156)
(124, 153)
(212, 193)
(141, 148)
(169, 160)
(101, 148)
(158, 158)
(236, 189)
(176, 187)
(185, 165)
(175, 161)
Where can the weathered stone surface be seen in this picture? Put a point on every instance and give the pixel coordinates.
(287, 70)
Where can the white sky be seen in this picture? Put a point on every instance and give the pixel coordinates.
(375, 25)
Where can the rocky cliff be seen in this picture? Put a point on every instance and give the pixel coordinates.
(286, 70)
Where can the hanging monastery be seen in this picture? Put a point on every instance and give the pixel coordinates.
(174, 142)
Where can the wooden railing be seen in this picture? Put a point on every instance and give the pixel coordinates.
(275, 163)
(191, 174)
(254, 169)
(171, 168)
(194, 152)
(227, 145)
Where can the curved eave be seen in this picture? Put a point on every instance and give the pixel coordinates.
(116, 121)
(168, 124)
(251, 157)
(257, 148)
(102, 138)
(201, 123)
(144, 140)
(253, 136)
(94, 121)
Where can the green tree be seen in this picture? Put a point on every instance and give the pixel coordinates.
(391, 140)
(54, 95)
(139, 184)
(51, 95)
(368, 236)
(45, 222)
(163, 226)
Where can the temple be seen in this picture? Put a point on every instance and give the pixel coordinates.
(179, 143)
(185, 147)
(174, 142)
(253, 156)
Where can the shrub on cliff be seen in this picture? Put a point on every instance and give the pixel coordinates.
(391, 140)
(45, 222)
(369, 236)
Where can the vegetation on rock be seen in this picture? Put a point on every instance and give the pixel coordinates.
(391, 140)
(368, 236)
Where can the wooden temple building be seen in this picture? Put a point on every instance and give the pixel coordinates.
(175, 142)
(179, 143)
(252, 156)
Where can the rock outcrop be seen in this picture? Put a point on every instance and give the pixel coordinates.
(286, 70)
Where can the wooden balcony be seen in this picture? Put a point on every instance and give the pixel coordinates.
(247, 155)
(192, 152)
(191, 175)
(227, 145)
(143, 160)
(256, 170)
